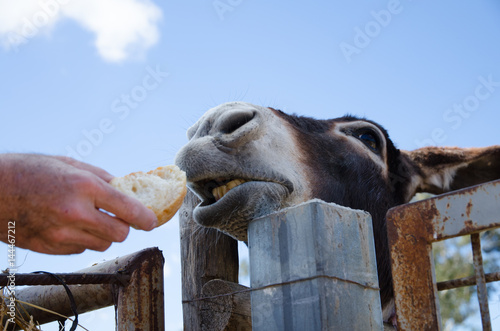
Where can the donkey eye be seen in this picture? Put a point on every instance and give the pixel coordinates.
(369, 139)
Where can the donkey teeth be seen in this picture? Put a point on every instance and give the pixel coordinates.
(221, 191)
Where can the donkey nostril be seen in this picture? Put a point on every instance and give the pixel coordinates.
(236, 121)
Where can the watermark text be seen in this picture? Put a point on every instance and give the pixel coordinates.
(222, 7)
(11, 258)
(363, 36)
(459, 111)
(122, 107)
(31, 26)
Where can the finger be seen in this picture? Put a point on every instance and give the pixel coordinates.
(101, 173)
(128, 209)
(105, 226)
(58, 249)
(68, 241)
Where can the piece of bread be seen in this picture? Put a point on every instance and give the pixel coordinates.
(162, 190)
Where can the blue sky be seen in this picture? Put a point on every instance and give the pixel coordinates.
(117, 83)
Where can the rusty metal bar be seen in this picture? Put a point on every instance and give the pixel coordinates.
(68, 278)
(467, 281)
(412, 229)
(143, 292)
(417, 303)
(482, 293)
(140, 304)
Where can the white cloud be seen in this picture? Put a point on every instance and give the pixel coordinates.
(123, 28)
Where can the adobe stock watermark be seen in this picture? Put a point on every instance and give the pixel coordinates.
(31, 26)
(12, 269)
(363, 36)
(458, 112)
(121, 108)
(222, 7)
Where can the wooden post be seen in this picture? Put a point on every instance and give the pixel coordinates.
(226, 312)
(206, 254)
(313, 267)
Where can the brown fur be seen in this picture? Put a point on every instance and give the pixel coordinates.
(290, 159)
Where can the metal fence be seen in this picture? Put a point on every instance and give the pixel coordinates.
(303, 266)
(412, 229)
(313, 267)
(132, 283)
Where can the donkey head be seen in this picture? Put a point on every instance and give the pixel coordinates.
(245, 161)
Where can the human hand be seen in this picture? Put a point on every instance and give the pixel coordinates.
(57, 205)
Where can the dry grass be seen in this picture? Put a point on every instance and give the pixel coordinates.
(21, 318)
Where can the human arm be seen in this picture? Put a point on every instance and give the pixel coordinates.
(56, 204)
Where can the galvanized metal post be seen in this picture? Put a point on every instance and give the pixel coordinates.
(313, 267)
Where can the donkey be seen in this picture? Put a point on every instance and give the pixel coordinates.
(245, 161)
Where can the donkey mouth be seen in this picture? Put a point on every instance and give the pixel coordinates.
(210, 191)
(230, 203)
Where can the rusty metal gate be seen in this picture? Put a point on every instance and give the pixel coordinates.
(412, 229)
(132, 283)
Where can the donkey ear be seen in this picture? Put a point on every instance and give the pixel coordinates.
(443, 169)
